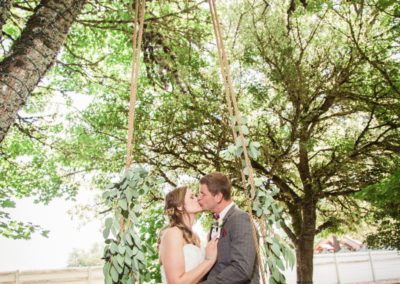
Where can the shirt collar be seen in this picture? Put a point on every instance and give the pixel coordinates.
(226, 209)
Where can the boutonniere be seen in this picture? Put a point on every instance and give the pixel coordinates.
(217, 228)
(223, 233)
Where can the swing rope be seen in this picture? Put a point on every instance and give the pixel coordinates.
(231, 100)
(137, 42)
(229, 96)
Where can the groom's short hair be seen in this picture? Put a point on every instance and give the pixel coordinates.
(217, 182)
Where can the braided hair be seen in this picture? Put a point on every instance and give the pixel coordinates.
(173, 200)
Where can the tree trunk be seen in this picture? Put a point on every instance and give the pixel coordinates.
(33, 54)
(305, 245)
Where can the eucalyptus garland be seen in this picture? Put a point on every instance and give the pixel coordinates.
(274, 250)
(124, 252)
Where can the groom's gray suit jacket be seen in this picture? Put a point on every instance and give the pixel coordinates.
(237, 256)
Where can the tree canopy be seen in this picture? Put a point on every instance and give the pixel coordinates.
(317, 80)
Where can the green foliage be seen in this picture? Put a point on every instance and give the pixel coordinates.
(384, 196)
(275, 251)
(27, 170)
(150, 225)
(129, 252)
(84, 258)
(321, 81)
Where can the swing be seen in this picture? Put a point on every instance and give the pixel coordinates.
(233, 112)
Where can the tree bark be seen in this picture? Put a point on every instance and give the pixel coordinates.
(33, 54)
(305, 243)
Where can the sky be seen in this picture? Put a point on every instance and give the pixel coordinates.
(66, 233)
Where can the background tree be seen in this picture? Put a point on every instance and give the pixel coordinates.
(30, 40)
(32, 54)
(84, 258)
(385, 199)
(318, 81)
(53, 146)
(320, 99)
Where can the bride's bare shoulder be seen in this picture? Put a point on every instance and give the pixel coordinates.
(172, 233)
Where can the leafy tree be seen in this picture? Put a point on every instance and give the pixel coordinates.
(318, 81)
(83, 258)
(318, 108)
(384, 196)
(32, 34)
(32, 54)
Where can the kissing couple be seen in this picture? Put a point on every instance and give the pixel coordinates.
(230, 256)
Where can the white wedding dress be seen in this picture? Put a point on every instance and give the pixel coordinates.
(193, 255)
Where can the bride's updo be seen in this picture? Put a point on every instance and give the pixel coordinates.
(174, 200)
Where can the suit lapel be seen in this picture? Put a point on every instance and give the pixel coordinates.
(228, 214)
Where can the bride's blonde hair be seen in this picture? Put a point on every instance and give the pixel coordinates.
(173, 200)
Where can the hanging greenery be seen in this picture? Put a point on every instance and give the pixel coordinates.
(125, 252)
(130, 252)
(276, 253)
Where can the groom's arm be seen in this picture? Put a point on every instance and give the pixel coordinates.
(243, 254)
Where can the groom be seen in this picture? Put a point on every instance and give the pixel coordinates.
(237, 257)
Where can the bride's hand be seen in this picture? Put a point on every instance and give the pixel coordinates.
(211, 249)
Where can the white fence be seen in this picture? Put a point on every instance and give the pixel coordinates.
(354, 267)
(91, 275)
(339, 268)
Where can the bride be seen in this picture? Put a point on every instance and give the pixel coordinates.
(182, 259)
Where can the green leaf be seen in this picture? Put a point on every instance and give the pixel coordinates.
(123, 204)
(259, 182)
(245, 130)
(121, 249)
(129, 193)
(128, 239)
(108, 223)
(137, 208)
(7, 204)
(279, 263)
(113, 248)
(114, 274)
(134, 251)
(120, 260)
(105, 194)
(116, 265)
(275, 249)
(140, 256)
(128, 260)
(106, 268)
(106, 233)
(276, 275)
(135, 264)
(259, 212)
(107, 278)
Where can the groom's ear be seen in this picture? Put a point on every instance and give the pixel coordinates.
(219, 197)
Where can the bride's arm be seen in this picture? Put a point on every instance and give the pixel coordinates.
(172, 258)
